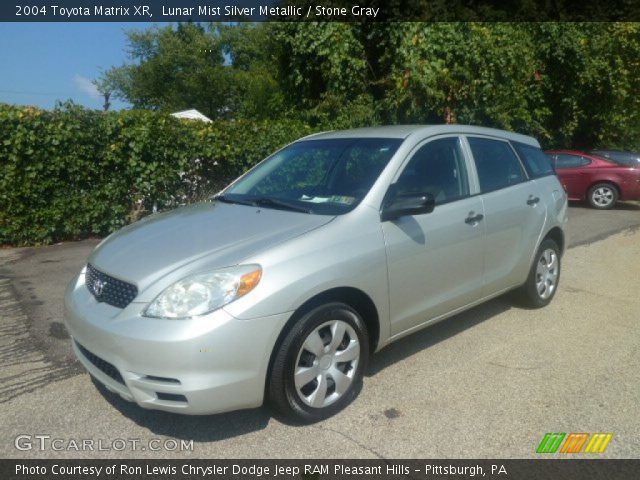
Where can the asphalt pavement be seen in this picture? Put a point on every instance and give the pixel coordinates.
(487, 383)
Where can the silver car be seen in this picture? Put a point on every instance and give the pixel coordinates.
(282, 287)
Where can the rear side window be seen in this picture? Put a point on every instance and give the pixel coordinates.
(564, 160)
(496, 163)
(537, 163)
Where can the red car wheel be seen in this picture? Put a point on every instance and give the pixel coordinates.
(603, 196)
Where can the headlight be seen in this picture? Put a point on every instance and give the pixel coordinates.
(205, 292)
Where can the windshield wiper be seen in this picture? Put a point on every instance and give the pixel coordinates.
(277, 203)
(225, 199)
(263, 202)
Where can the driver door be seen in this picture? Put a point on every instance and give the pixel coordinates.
(435, 260)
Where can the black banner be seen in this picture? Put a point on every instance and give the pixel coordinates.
(551, 468)
(320, 10)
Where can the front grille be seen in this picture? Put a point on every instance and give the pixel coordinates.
(109, 290)
(102, 365)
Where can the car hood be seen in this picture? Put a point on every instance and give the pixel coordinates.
(211, 235)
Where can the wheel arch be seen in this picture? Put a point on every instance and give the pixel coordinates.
(611, 182)
(557, 235)
(354, 297)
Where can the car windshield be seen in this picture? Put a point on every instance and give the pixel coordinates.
(324, 177)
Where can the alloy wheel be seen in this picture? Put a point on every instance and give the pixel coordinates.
(603, 196)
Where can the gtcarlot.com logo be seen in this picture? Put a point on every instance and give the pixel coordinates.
(27, 442)
(574, 442)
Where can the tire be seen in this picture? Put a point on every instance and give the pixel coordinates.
(602, 196)
(313, 349)
(542, 282)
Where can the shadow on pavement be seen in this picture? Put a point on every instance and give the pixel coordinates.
(624, 206)
(437, 333)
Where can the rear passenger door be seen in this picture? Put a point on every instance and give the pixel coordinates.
(514, 213)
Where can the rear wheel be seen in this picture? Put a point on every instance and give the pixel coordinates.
(318, 367)
(603, 196)
(544, 277)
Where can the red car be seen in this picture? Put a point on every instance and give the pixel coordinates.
(600, 181)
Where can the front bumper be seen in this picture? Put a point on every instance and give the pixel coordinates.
(211, 364)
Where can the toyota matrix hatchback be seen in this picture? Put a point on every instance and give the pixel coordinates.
(282, 287)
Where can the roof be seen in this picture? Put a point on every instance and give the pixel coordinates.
(191, 114)
(403, 131)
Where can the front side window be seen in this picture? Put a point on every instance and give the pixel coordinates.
(496, 163)
(437, 168)
(326, 177)
(538, 164)
(564, 160)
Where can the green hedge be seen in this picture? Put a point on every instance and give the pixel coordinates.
(72, 173)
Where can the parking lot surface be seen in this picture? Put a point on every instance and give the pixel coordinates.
(487, 383)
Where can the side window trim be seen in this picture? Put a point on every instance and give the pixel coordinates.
(474, 178)
(522, 165)
(526, 176)
(467, 162)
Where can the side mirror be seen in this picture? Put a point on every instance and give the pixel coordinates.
(413, 204)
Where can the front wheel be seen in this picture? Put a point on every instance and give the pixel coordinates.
(318, 367)
(544, 277)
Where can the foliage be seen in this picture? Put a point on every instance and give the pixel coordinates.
(568, 84)
(172, 68)
(72, 173)
(223, 71)
(590, 82)
(483, 74)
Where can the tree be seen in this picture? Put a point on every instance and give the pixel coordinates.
(220, 70)
(173, 69)
(252, 55)
(108, 84)
(568, 84)
(477, 73)
(591, 82)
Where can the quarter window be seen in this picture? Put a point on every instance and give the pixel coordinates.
(437, 168)
(535, 160)
(496, 163)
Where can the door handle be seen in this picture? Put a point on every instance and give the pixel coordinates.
(473, 219)
(533, 200)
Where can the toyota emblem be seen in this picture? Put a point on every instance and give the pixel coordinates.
(98, 287)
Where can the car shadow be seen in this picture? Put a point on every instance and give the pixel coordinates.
(213, 428)
(437, 333)
(626, 205)
(631, 206)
